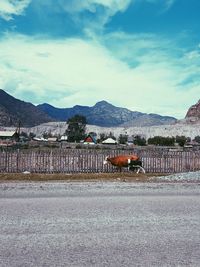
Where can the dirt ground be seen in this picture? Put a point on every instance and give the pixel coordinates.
(129, 177)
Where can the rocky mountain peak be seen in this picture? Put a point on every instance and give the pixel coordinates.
(194, 112)
(102, 104)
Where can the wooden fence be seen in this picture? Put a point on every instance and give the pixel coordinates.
(91, 160)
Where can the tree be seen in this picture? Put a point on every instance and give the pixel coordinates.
(123, 138)
(31, 135)
(24, 134)
(76, 128)
(102, 137)
(140, 141)
(161, 141)
(23, 137)
(181, 140)
(197, 139)
(111, 135)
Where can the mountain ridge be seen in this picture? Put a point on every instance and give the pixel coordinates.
(103, 113)
(13, 111)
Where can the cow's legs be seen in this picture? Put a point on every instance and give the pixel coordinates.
(140, 168)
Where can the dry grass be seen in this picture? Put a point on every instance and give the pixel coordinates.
(131, 177)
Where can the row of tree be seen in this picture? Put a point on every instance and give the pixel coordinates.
(158, 140)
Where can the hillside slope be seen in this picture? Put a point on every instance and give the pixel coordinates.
(13, 110)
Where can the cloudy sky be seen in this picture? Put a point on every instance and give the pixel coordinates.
(140, 54)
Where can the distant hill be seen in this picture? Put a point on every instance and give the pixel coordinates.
(13, 110)
(107, 115)
(150, 120)
(62, 114)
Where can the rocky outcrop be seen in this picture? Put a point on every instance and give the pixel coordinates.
(193, 114)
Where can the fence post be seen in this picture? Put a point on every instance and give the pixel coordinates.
(17, 160)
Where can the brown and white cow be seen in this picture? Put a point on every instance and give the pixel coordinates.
(129, 161)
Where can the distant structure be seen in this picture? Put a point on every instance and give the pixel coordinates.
(63, 138)
(90, 140)
(109, 141)
(8, 138)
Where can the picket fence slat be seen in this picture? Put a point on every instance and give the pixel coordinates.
(91, 160)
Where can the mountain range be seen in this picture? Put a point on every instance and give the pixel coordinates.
(107, 115)
(13, 110)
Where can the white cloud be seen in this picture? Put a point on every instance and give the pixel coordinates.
(169, 3)
(8, 8)
(166, 2)
(91, 5)
(73, 71)
(102, 9)
(110, 8)
(87, 14)
(114, 5)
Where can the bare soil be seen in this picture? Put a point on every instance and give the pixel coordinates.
(123, 176)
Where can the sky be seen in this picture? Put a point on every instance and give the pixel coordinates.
(143, 55)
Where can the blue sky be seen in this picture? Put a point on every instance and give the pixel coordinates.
(140, 54)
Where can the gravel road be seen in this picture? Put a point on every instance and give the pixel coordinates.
(99, 224)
